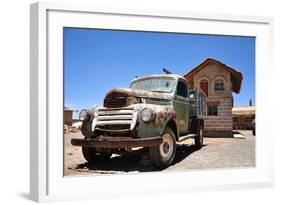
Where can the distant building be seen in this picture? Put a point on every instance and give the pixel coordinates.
(68, 116)
(216, 81)
(243, 117)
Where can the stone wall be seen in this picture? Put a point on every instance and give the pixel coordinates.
(211, 73)
(220, 125)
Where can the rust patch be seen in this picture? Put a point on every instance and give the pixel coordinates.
(159, 118)
(165, 115)
(122, 97)
(171, 113)
(117, 142)
(126, 92)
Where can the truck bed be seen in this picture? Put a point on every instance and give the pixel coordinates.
(197, 104)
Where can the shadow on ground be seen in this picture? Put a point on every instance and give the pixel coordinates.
(132, 162)
(184, 151)
(236, 132)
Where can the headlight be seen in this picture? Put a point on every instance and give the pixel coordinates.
(147, 115)
(84, 115)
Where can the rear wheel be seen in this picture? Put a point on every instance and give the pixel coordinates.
(163, 155)
(199, 138)
(92, 156)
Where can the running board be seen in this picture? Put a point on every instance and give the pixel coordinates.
(182, 138)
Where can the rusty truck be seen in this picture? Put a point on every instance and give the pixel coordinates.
(154, 113)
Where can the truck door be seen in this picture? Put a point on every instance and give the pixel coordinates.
(181, 106)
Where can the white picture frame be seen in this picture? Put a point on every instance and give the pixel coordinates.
(46, 101)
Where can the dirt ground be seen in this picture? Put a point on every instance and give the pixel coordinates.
(216, 153)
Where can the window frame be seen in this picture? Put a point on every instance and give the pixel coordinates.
(223, 85)
(213, 113)
(186, 87)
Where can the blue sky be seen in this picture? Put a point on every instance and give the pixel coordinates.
(96, 61)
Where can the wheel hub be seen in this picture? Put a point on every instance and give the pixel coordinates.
(166, 147)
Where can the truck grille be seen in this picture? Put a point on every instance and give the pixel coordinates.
(115, 102)
(115, 120)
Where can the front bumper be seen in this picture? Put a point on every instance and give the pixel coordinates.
(117, 142)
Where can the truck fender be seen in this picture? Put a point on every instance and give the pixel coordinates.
(167, 117)
(171, 123)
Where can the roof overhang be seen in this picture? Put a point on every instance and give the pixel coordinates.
(236, 77)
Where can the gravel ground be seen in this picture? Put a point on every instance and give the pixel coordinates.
(216, 153)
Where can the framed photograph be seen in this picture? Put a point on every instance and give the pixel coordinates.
(137, 102)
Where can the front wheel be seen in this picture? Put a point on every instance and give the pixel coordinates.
(163, 155)
(92, 156)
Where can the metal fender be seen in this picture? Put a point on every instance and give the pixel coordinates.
(164, 117)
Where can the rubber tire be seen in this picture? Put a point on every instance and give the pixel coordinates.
(198, 140)
(155, 156)
(92, 156)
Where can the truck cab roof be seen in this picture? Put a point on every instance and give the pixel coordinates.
(174, 76)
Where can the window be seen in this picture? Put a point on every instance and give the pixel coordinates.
(235, 119)
(213, 110)
(219, 85)
(154, 84)
(181, 89)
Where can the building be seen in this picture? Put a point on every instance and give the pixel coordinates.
(243, 117)
(216, 81)
(68, 116)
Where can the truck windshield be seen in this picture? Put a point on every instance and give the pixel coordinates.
(154, 84)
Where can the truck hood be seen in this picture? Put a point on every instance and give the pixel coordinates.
(128, 92)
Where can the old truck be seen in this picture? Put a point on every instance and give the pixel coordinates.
(154, 113)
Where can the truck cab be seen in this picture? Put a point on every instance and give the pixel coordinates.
(154, 112)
